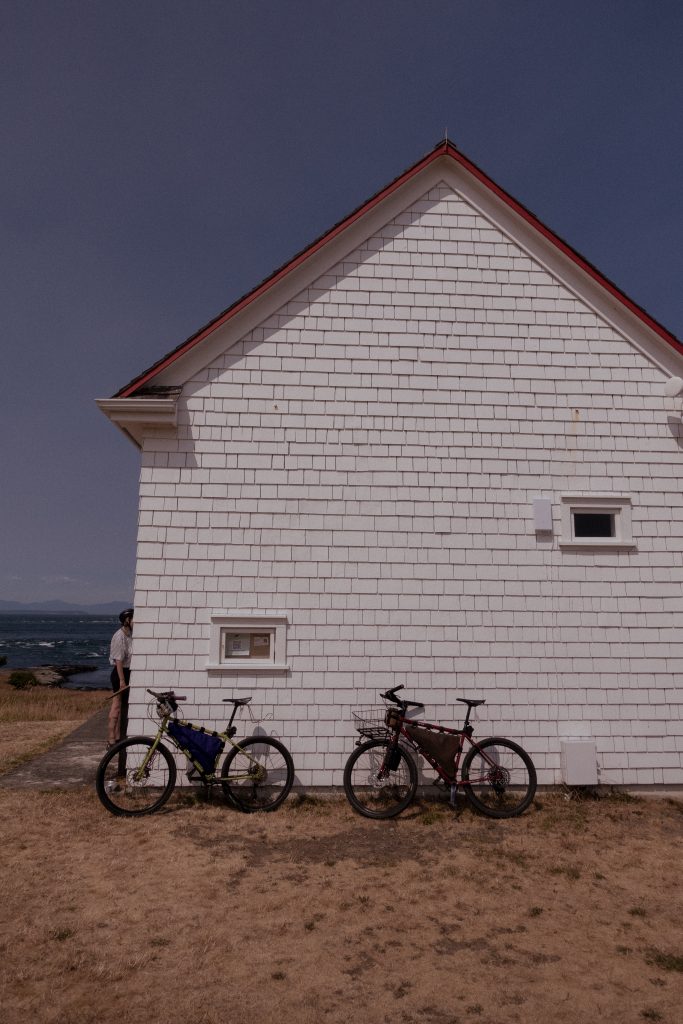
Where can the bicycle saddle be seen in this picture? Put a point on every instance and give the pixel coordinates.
(237, 701)
(472, 703)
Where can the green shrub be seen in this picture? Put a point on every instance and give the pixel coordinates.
(22, 679)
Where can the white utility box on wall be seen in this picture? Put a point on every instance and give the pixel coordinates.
(579, 762)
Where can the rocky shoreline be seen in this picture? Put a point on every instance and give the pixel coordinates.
(45, 675)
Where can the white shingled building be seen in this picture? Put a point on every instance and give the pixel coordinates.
(437, 448)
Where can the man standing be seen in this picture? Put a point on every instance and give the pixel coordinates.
(119, 657)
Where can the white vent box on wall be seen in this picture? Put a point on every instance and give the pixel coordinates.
(543, 514)
(579, 762)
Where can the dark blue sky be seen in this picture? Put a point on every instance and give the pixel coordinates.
(161, 158)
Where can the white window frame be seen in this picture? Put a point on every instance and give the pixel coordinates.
(246, 622)
(616, 505)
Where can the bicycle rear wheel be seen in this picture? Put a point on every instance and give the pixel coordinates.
(373, 786)
(499, 778)
(258, 774)
(131, 779)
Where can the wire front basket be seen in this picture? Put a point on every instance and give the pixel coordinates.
(369, 721)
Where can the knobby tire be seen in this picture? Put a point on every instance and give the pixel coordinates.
(257, 774)
(499, 778)
(371, 789)
(118, 787)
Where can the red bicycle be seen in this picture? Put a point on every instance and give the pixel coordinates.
(381, 777)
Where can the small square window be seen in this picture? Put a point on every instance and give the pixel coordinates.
(594, 524)
(247, 642)
(596, 521)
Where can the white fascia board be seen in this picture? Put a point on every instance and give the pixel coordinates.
(441, 171)
(302, 276)
(137, 416)
(586, 289)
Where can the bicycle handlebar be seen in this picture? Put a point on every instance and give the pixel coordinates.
(391, 695)
(165, 695)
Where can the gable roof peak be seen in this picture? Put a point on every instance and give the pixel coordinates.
(445, 147)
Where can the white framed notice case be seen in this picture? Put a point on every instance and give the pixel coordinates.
(251, 642)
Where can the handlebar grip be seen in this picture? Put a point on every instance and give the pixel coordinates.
(389, 695)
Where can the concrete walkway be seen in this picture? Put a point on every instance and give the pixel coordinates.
(69, 765)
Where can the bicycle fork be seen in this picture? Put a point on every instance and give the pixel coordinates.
(142, 770)
(392, 759)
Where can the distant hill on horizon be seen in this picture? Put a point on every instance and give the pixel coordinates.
(62, 607)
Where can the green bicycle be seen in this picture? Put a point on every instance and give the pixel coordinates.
(138, 774)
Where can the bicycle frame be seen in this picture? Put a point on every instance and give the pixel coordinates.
(465, 734)
(208, 778)
(139, 773)
(381, 776)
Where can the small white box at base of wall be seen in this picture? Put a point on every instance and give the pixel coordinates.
(579, 762)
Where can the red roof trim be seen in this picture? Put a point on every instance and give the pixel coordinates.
(444, 148)
(571, 253)
(250, 297)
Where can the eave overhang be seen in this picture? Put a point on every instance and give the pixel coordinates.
(137, 417)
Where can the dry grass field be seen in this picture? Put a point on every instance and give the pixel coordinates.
(571, 913)
(35, 719)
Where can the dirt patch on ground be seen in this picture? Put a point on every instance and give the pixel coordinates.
(199, 913)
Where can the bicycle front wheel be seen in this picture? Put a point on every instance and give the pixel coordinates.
(374, 785)
(499, 778)
(258, 774)
(132, 779)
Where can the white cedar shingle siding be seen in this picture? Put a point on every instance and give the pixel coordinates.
(366, 460)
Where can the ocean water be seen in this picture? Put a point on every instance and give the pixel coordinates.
(48, 639)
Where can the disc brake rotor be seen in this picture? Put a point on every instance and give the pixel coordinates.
(499, 779)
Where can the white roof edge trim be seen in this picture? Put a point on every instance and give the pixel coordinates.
(301, 277)
(567, 272)
(442, 171)
(136, 416)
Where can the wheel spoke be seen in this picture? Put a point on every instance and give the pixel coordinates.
(133, 779)
(374, 789)
(257, 774)
(501, 778)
